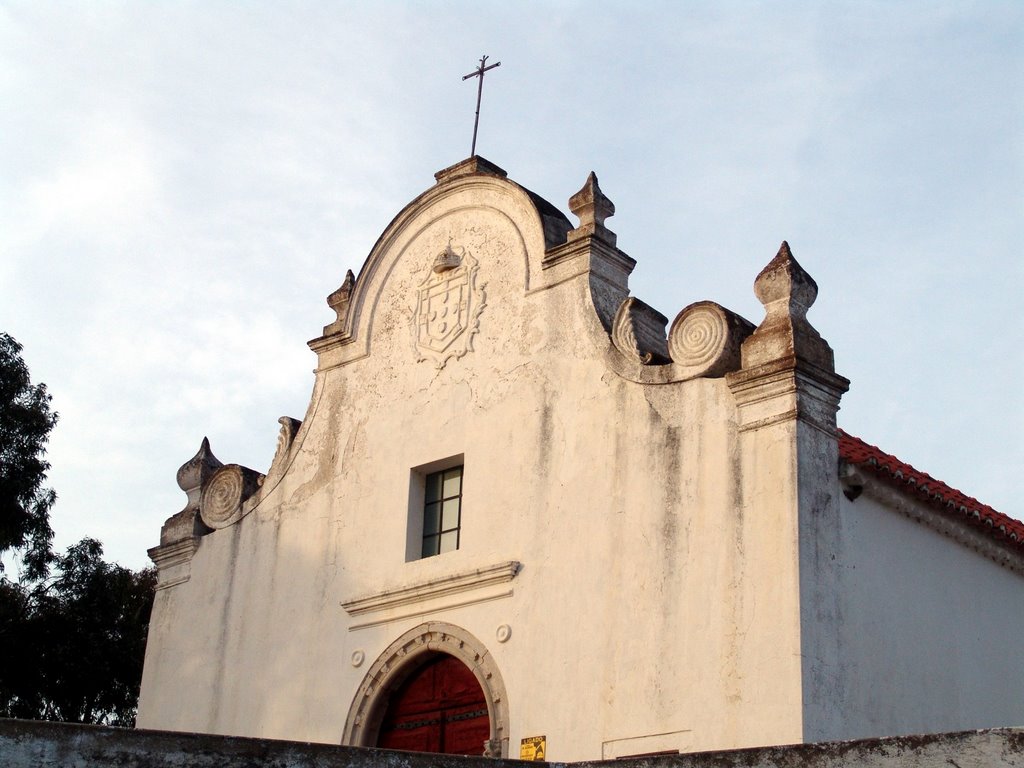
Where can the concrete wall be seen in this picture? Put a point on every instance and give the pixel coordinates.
(920, 632)
(31, 744)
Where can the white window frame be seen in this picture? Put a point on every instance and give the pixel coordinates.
(417, 503)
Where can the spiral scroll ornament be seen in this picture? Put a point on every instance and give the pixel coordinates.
(624, 336)
(698, 336)
(638, 331)
(285, 438)
(224, 494)
(705, 339)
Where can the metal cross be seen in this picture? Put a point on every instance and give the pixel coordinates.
(479, 72)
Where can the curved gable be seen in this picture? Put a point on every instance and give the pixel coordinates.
(493, 225)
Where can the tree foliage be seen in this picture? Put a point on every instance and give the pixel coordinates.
(25, 425)
(72, 645)
(73, 628)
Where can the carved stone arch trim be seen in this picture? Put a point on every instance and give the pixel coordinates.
(402, 658)
(365, 307)
(506, 198)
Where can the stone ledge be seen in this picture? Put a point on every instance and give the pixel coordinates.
(35, 744)
(427, 590)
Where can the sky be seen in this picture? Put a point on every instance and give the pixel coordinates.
(183, 183)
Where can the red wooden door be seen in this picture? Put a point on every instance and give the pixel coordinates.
(440, 708)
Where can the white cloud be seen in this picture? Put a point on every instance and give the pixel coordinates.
(184, 184)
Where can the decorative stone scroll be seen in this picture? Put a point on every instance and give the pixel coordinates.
(448, 307)
(285, 439)
(339, 301)
(225, 492)
(638, 331)
(705, 340)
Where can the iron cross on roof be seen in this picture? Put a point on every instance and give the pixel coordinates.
(479, 72)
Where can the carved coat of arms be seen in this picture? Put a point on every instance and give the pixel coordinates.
(448, 306)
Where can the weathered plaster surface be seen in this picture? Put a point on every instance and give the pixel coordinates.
(919, 633)
(667, 524)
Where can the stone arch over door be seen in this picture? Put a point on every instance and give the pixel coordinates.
(402, 658)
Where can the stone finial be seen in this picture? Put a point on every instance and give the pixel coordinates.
(787, 292)
(785, 280)
(338, 301)
(592, 207)
(194, 472)
(340, 298)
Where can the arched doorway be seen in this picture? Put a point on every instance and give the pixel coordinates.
(439, 708)
(409, 658)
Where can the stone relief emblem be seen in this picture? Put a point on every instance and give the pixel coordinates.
(448, 307)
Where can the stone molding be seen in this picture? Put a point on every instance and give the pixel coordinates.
(403, 657)
(173, 561)
(855, 482)
(444, 586)
(588, 253)
(471, 165)
(787, 390)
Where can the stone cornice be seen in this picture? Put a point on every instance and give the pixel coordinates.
(324, 343)
(173, 561)
(433, 588)
(786, 390)
(591, 246)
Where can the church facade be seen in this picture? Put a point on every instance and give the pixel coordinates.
(524, 514)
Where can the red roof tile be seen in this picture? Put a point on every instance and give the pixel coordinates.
(935, 492)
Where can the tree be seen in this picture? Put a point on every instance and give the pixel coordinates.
(72, 645)
(25, 425)
(73, 627)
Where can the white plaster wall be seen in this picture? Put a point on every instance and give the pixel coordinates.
(924, 635)
(657, 606)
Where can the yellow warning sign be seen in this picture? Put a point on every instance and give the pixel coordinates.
(533, 748)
